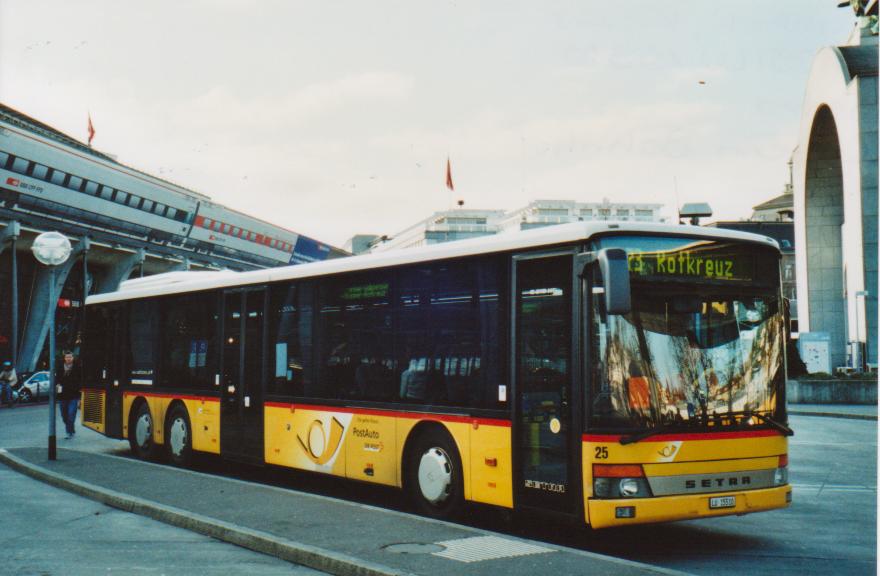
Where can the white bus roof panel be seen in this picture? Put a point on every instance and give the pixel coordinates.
(511, 241)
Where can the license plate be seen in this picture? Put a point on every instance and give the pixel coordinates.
(722, 502)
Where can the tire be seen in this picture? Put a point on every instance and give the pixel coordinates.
(178, 437)
(140, 433)
(25, 395)
(433, 478)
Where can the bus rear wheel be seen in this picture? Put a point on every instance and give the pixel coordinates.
(434, 475)
(140, 433)
(179, 437)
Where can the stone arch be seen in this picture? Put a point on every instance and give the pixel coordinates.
(824, 220)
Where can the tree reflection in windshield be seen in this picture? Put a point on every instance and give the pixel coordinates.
(679, 360)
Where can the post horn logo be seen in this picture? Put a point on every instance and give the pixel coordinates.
(667, 451)
(320, 448)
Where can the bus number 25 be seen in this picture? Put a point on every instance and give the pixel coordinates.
(601, 452)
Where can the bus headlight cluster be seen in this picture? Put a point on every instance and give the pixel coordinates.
(780, 475)
(619, 481)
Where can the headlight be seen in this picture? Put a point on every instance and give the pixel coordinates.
(780, 477)
(629, 487)
(602, 487)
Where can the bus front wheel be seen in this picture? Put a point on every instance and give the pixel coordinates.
(179, 437)
(140, 433)
(434, 475)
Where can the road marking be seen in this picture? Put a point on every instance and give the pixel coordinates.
(836, 488)
(480, 548)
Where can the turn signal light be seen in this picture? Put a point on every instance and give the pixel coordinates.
(618, 471)
(783, 460)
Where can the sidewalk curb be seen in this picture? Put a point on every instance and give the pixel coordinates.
(298, 553)
(834, 415)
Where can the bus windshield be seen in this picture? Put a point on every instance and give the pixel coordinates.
(688, 355)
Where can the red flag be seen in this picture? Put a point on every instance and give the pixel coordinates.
(91, 129)
(449, 175)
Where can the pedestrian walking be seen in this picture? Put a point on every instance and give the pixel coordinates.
(68, 378)
(8, 380)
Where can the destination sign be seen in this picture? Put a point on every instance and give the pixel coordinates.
(699, 264)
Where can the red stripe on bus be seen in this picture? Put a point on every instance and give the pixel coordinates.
(394, 413)
(672, 437)
(173, 396)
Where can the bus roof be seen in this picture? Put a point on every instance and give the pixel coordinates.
(177, 282)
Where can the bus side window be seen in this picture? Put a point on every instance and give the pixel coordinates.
(188, 341)
(290, 337)
(143, 329)
(356, 358)
(448, 331)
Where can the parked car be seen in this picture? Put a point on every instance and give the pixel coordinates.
(35, 386)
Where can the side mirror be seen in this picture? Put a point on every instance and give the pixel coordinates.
(614, 267)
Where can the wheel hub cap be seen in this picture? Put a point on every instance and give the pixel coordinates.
(435, 475)
(144, 429)
(178, 436)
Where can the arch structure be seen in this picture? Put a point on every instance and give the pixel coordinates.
(835, 201)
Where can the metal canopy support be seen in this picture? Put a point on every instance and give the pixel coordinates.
(184, 266)
(119, 272)
(38, 322)
(11, 234)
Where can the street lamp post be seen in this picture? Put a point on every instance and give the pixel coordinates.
(51, 249)
(863, 294)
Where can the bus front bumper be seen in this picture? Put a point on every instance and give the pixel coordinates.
(607, 513)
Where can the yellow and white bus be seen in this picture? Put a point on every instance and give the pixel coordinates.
(615, 373)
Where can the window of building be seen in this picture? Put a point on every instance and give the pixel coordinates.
(147, 205)
(172, 212)
(20, 165)
(290, 334)
(552, 211)
(121, 196)
(356, 355)
(57, 177)
(91, 187)
(133, 200)
(641, 213)
(622, 212)
(188, 344)
(4, 159)
(40, 171)
(75, 183)
(587, 212)
(106, 192)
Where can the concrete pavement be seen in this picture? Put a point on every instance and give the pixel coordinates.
(51, 531)
(327, 534)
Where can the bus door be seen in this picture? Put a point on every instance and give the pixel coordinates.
(114, 371)
(242, 374)
(546, 447)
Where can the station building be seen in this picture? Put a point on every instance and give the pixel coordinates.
(835, 197)
(120, 221)
(462, 223)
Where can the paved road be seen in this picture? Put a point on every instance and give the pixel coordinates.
(830, 529)
(51, 531)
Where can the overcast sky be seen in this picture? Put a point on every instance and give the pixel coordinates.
(336, 118)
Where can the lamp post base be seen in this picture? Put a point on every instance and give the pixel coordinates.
(52, 447)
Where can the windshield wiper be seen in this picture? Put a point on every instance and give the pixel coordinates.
(639, 436)
(773, 423)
